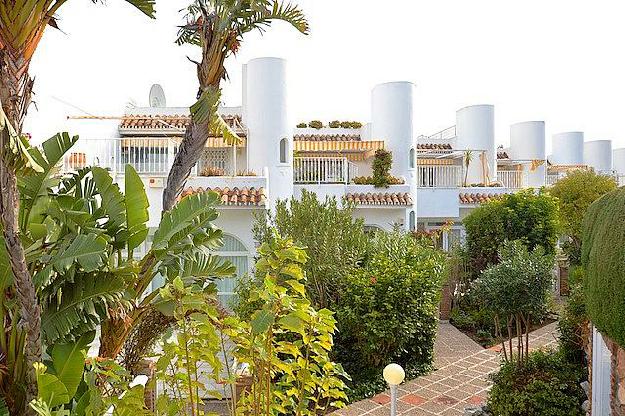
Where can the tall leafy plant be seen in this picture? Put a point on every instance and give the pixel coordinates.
(381, 167)
(516, 291)
(218, 28)
(22, 25)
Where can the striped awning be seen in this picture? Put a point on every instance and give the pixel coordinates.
(217, 142)
(342, 146)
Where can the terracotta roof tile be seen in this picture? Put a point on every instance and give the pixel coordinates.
(433, 146)
(235, 197)
(326, 137)
(379, 198)
(502, 154)
(477, 197)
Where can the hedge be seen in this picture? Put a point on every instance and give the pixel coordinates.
(603, 255)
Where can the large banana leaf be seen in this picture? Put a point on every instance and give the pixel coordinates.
(16, 155)
(200, 266)
(136, 208)
(186, 217)
(112, 203)
(205, 111)
(81, 306)
(68, 362)
(88, 250)
(37, 185)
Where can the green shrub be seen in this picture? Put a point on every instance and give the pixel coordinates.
(334, 124)
(368, 180)
(517, 292)
(387, 309)
(355, 124)
(546, 385)
(382, 162)
(603, 256)
(573, 326)
(336, 242)
(315, 124)
(575, 193)
(527, 216)
(301, 125)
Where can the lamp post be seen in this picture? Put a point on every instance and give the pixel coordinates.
(394, 376)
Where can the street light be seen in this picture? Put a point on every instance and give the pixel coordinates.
(394, 376)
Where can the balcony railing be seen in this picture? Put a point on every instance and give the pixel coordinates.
(149, 156)
(323, 170)
(439, 176)
(513, 179)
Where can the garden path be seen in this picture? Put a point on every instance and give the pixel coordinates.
(461, 378)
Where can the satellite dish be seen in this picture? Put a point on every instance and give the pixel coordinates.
(157, 96)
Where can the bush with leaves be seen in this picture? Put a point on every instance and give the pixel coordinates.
(575, 193)
(381, 167)
(526, 215)
(387, 309)
(336, 242)
(573, 326)
(315, 124)
(517, 292)
(546, 385)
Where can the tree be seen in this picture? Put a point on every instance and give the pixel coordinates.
(82, 236)
(218, 27)
(575, 193)
(336, 242)
(22, 24)
(467, 158)
(515, 290)
(527, 216)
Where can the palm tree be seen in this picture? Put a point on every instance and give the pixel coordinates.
(467, 159)
(22, 24)
(218, 26)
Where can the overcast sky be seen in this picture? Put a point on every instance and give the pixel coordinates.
(561, 61)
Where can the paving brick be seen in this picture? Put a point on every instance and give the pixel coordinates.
(381, 398)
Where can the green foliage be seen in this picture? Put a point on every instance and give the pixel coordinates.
(516, 291)
(603, 256)
(368, 180)
(573, 326)
(575, 193)
(334, 124)
(527, 216)
(302, 125)
(387, 310)
(285, 345)
(315, 124)
(381, 168)
(336, 242)
(546, 385)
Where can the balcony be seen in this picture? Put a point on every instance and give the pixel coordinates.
(512, 179)
(323, 170)
(439, 176)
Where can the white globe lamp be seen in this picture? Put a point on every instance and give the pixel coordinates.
(394, 375)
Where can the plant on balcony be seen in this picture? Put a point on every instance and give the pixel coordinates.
(368, 180)
(212, 171)
(467, 158)
(301, 125)
(381, 167)
(315, 124)
(246, 172)
(575, 193)
(334, 124)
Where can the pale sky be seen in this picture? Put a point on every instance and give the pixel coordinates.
(561, 61)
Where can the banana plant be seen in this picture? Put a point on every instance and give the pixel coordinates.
(87, 248)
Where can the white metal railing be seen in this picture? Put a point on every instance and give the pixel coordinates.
(323, 170)
(153, 156)
(513, 179)
(439, 176)
(446, 134)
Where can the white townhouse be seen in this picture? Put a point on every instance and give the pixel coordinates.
(444, 175)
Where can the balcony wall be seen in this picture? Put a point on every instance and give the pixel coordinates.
(438, 203)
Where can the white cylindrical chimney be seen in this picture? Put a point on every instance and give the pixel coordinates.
(475, 130)
(567, 148)
(598, 155)
(527, 143)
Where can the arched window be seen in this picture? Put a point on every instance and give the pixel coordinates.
(235, 252)
(412, 221)
(284, 148)
(412, 158)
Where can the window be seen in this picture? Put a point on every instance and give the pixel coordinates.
(283, 151)
(412, 160)
(412, 221)
(235, 252)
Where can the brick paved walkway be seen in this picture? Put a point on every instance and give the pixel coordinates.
(461, 378)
